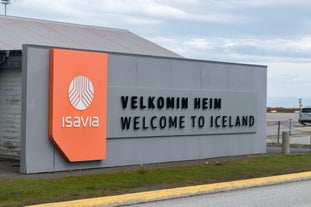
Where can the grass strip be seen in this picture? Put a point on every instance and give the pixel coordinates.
(20, 192)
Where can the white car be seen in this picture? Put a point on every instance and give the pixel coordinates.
(305, 115)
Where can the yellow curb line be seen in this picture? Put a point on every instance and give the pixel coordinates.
(179, 192)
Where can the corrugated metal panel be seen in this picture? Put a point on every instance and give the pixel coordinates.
(10, 112)
(16, 31)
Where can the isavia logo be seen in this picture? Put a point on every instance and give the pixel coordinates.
(81, 92)
(77, 116)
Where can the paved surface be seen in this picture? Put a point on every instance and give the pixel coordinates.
(288, 122)
(293, 150)
(281, 195)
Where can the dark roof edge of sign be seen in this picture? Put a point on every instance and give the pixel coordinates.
(160, 57)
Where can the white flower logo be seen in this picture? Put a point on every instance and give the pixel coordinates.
(81, 92)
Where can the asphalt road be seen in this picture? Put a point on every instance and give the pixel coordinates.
(296, 194)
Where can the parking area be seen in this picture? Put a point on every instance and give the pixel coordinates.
(288, 122)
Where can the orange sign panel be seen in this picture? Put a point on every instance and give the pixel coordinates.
(77, 103)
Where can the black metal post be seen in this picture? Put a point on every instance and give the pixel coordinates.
(290, 127)
(279, 123)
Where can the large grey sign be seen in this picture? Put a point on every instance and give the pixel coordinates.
(159, 110)
(145, 112)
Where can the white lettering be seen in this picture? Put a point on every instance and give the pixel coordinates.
(84, 122)
(68, 121)
(80, 121)
(95, 121)
(76, 122)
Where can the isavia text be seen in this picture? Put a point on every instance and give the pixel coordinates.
(80, 121)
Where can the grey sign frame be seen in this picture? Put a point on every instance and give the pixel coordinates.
(38, 154)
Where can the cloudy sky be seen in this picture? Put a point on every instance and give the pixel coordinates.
(276, 33)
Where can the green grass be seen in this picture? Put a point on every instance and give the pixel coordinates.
(20, 192)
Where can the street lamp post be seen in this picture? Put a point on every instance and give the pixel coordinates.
(5, 2)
